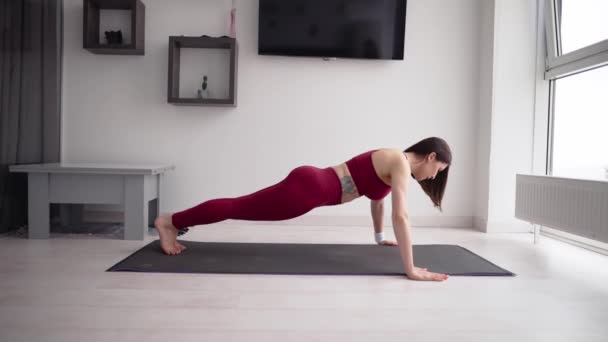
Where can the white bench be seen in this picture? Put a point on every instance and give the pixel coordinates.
(133, 186)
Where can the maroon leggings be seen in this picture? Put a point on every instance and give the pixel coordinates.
(305, 188)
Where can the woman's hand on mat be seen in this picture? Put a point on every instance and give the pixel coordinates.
(389, 243)
(425, 275)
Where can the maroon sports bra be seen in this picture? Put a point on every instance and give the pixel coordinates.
(365, 177)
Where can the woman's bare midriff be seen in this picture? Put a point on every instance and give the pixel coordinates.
(349, 189)
(380, 160)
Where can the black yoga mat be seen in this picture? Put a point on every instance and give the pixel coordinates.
(293, 258)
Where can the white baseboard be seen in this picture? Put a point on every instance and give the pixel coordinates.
(507, 226)
(366, 221)
(315, 220)
(480, 224)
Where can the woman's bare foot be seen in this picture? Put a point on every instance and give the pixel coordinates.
(168, 235)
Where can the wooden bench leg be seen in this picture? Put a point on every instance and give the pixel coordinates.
(38, 205)
(136, 208)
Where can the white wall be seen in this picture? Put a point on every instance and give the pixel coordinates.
(291, 111)
(486, 62)
(507, 110)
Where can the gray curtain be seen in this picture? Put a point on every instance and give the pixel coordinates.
(30, 97)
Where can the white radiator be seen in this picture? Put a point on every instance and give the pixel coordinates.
(576, 206)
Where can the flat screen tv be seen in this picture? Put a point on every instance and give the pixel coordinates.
(368, 29)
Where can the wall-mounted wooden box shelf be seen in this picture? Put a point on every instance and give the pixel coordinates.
(204, 42)
(91, 27)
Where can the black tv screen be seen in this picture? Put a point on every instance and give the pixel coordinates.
(371, 29)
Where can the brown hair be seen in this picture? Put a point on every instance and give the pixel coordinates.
(434, 188)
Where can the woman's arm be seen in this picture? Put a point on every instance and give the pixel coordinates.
(377, 207)
(399, 185)
(377, 214)
(400, 172)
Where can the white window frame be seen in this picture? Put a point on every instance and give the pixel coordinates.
(558, 65)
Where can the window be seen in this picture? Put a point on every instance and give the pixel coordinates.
(580, 128)
(577, 67)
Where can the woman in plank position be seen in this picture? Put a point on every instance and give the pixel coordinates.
(372, 174)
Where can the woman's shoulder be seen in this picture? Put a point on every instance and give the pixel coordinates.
(388, 159)
(390, 154)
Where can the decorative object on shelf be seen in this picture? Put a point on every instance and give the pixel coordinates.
(93, 39)
(203, 93)
(207, 36)
(233, 20)
(113, 37)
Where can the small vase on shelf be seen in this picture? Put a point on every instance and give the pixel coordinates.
(203, 93)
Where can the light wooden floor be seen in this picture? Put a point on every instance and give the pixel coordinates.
(58, 290)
